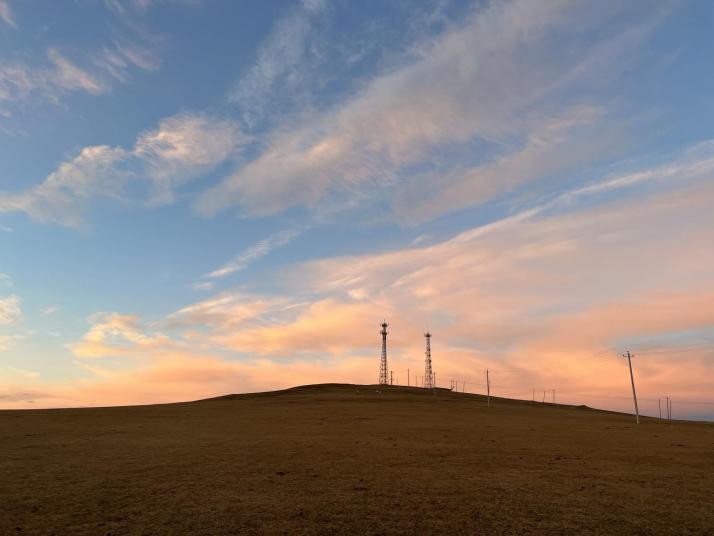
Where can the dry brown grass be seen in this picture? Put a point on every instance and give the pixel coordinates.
(344, 459)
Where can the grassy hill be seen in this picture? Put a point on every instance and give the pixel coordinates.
(328, 459)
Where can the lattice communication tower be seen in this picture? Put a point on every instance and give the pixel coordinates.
(428, 373)
(383, 369)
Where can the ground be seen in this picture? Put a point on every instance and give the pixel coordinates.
(335, 459)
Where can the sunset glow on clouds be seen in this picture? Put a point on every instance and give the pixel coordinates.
(527, 180)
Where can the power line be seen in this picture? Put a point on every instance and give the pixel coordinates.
(676, 349)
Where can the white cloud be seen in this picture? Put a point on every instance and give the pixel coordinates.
(114, 334)
(27, 374)
(6, 14)
(499, 78)
(5, 341)
(30, 83)
(94, 172)
(143, 5)
(10, 311)
(280, 65)
(117, 58)
(227, 309)
(68, 76)
(421, 239)
(203, 285)
(6, 280)
(6, 229)
(255, 252)
(50, 310)
(181, 149)
(359, 294)
(23, 83)
(558, 145)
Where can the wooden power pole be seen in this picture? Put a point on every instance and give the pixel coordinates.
(488, 389)
(632, 379)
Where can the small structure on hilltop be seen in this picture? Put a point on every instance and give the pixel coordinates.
(383, 369)
(428, 373)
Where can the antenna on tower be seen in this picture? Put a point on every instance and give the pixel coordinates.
(428, 373)
(383, 369)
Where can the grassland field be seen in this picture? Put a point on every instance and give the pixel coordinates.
(353, 459)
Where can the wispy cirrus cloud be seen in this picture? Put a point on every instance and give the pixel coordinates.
(20, 82)
(63, 70)
(5, 341)
(123, 7)
(228, 309)
(118, 58)
(280, 63)
(10, 311)
(254, 253)
(6, 14)
(498, 79)
(23, 373)
(181, 149)
(23, 84)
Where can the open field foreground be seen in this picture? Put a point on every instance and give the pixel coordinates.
(346, 459)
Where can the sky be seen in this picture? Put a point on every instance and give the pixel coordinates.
(208, 197)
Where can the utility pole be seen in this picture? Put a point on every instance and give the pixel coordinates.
(670, 409)
(543, 397)
(666, 406)
(463, 389)
(391, 377)
(553, 396)
(488, 389)
(659, 405)
(533, 395)
(408, 384)
(632, 379)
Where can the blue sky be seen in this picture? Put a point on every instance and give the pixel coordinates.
(199, 197)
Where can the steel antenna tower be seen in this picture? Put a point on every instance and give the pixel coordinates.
(428, 374)
(383, 369)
